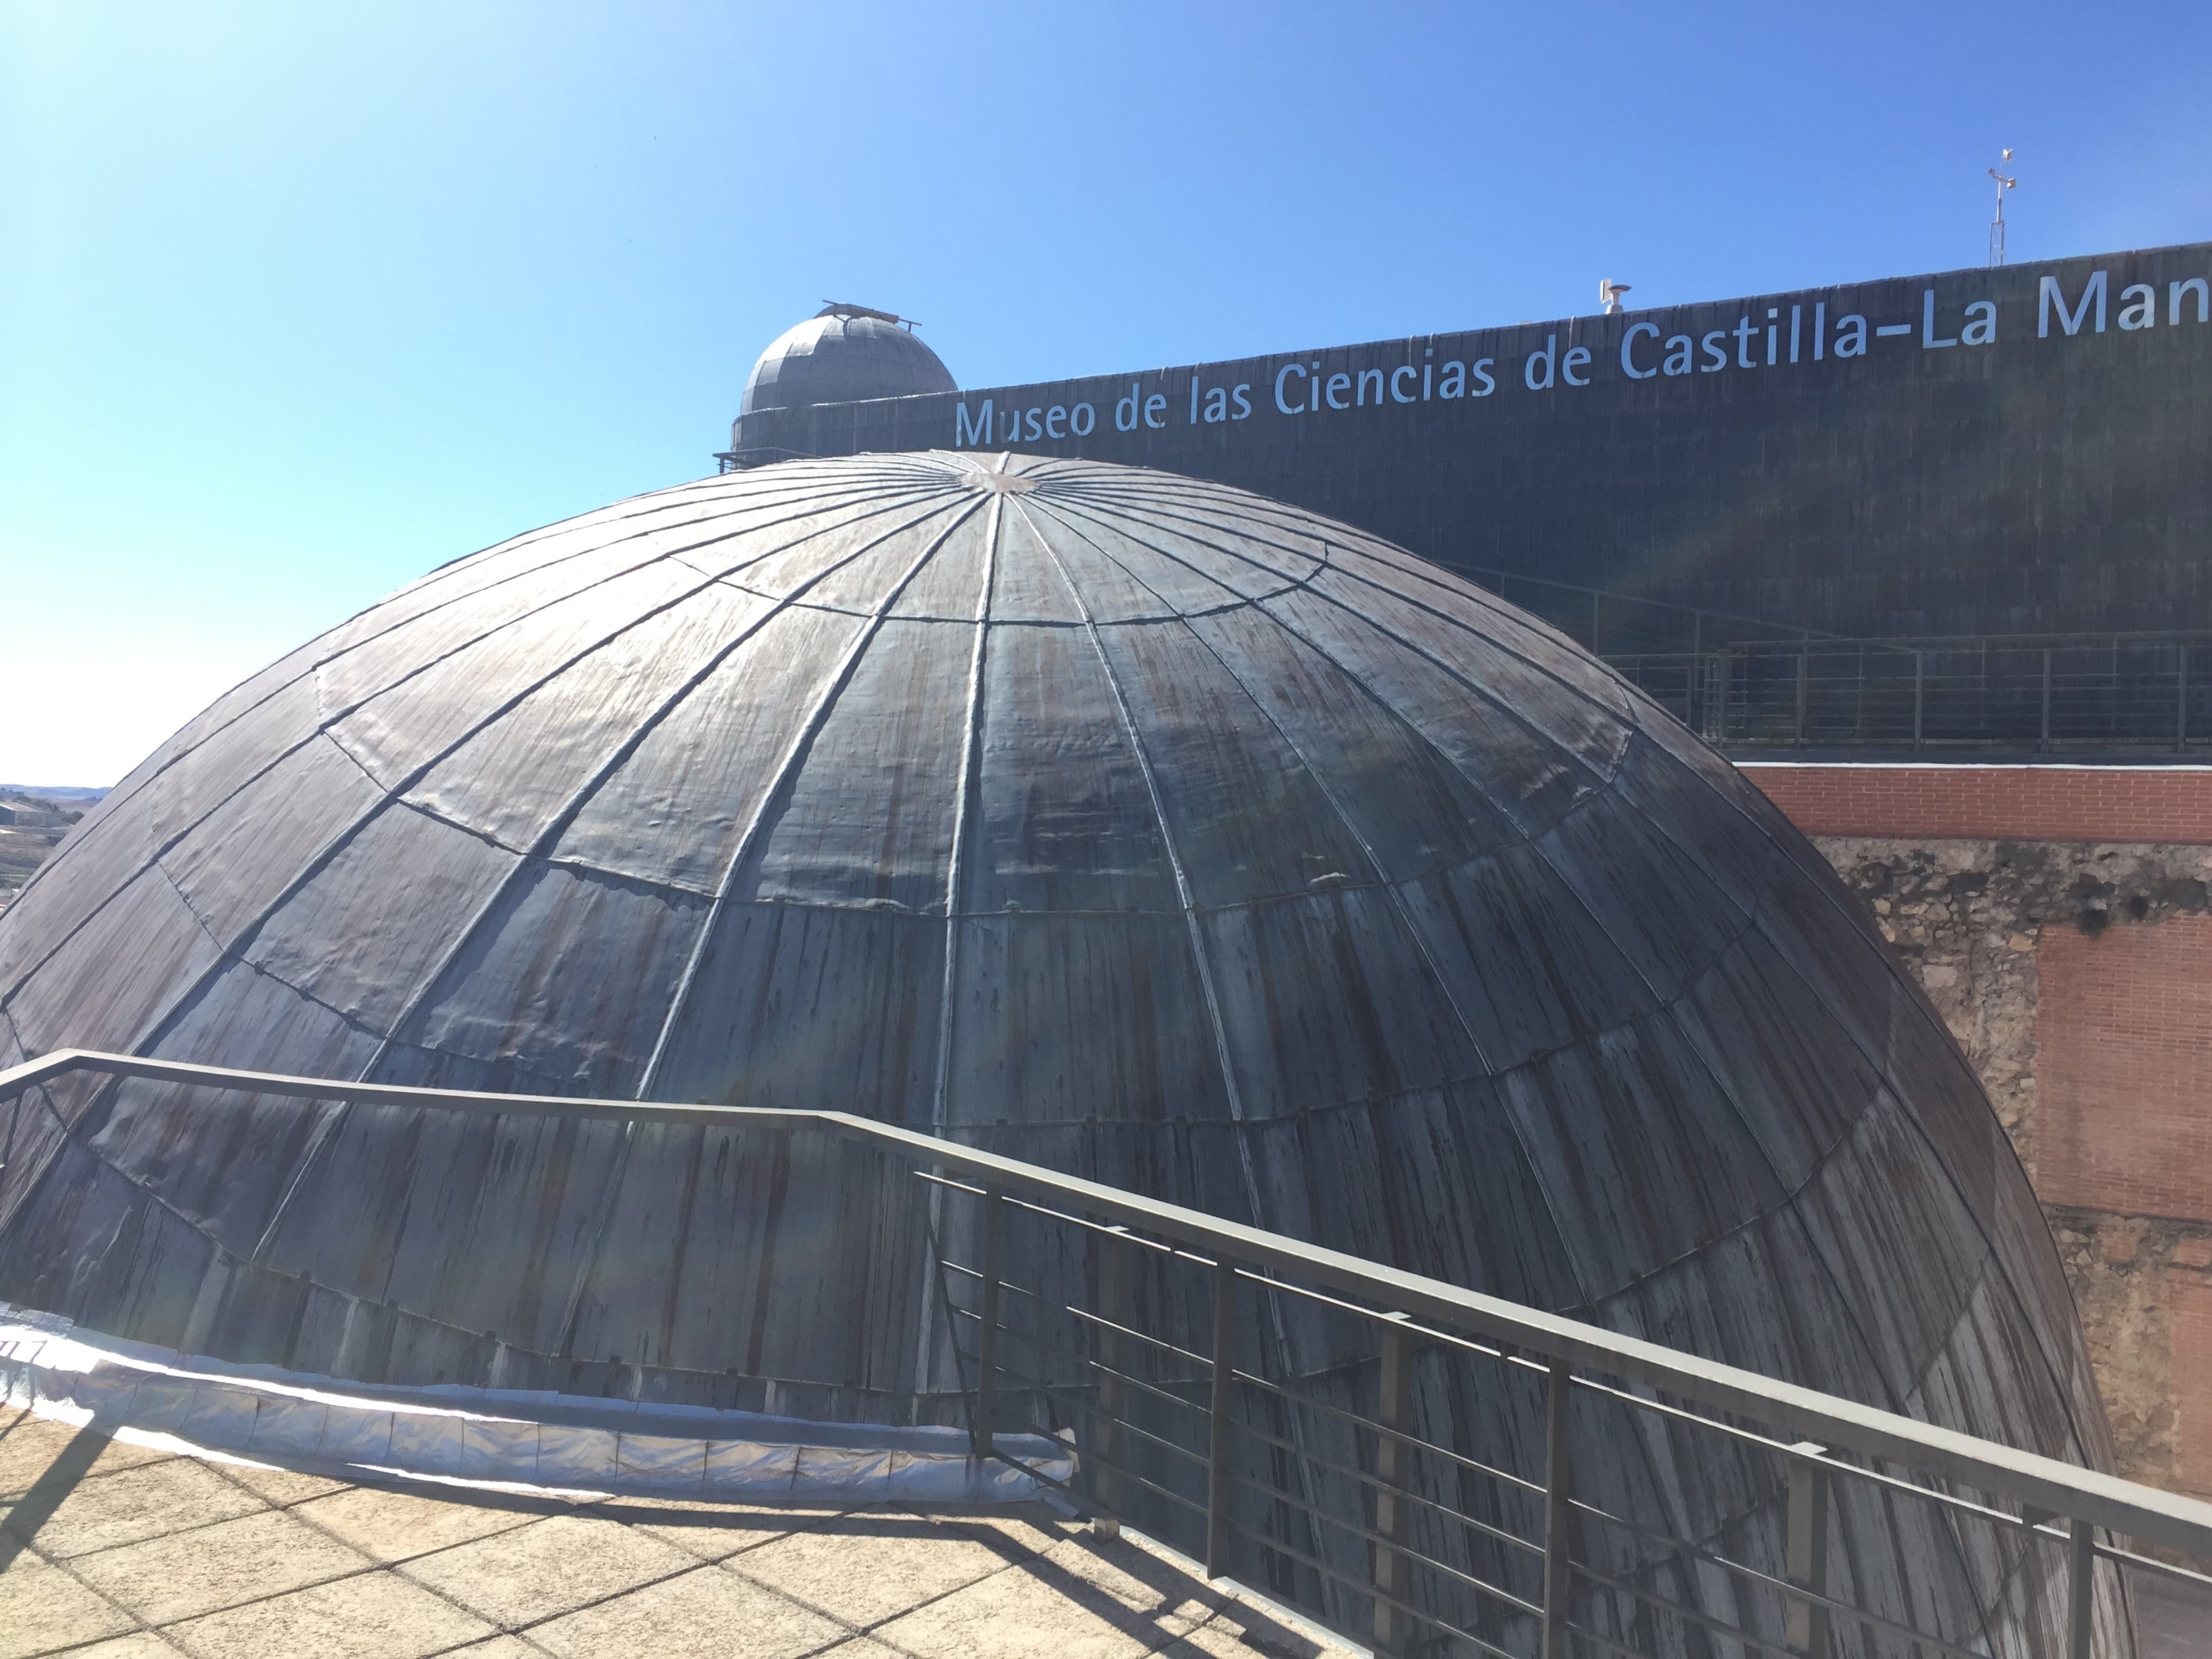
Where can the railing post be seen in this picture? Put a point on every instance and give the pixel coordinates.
(2044, 742)
(1804, 685)
(982, 1425)
(2181, 700)
(1114, 1305)
(1217, 1446)
(1559, 1498)
(1394, 1472)
(2081, 1609)
(1806, 1625)
(1919, 693)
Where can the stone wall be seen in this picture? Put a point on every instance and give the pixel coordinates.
(2078, 978)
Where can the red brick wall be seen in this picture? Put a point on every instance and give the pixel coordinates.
(2026, 803)
(2123, 1069)
(2077, 971)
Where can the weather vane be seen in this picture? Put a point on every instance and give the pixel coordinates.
(1996, 225)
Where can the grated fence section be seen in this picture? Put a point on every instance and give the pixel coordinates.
(2044, 695)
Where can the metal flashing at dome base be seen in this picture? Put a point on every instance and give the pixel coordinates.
(496, 1437)
(1133, 826)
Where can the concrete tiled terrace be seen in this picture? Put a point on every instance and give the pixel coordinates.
(112, 1551)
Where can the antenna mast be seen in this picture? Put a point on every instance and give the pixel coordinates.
(1996, 225)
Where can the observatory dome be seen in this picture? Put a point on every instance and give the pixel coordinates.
(1136, 826)
(842, 354)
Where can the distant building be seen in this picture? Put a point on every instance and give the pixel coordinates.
(7, 815)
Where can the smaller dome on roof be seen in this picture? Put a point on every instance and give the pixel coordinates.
(841, 354)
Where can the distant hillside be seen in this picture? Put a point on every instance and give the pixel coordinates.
(32, 822)
(69, 793)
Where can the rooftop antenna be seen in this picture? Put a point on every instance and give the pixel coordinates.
(1610, 292)
(1996, 225)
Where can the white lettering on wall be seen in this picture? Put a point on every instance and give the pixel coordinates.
(1644, 349)
(2053, 297)
(964, 434)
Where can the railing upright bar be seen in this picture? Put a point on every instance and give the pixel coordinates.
(1806, 1628)
(982, 1427)
(1919, 694)
(1113, 1301)
(2081, 1609)
(2181, 699)
(1804, 679)
(1393, 1631)
(1223, 1397)
(1559, 1511)
(2044, 741)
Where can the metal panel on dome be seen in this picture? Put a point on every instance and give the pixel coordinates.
(1146, 828)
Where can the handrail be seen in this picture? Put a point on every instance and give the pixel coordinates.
(2142, 1512)
(1837, 644)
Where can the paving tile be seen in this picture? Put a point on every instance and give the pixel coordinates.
(712, 1532)
(550, 1567)
(42, 1608)
(868, 1568)
(377, 1615)
(166, 1579)
(1031, 1529)
(1138, 1580)
(1087, 1598)
(103, 1512)
(144, 1645)
(389, 1524)
(33, 1442)
(1015, 1615)
(707, 1612)
(285, 1486)
(1229, 1636)
(499, 1647)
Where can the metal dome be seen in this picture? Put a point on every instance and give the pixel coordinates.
(842, 354)
(1133, 825)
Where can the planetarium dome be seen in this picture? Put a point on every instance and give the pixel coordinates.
(1140, 826)
(842, 354)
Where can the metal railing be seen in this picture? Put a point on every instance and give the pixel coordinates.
(2041, 693)
(1611, 623)
(1139, 1332)
(1748, 683)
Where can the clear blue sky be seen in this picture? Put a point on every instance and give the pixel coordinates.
(299, 300)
